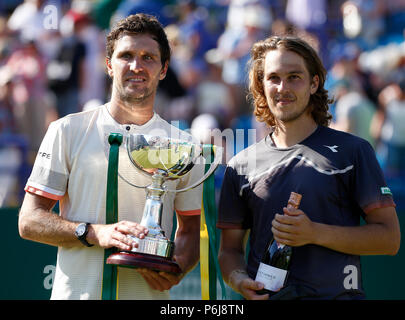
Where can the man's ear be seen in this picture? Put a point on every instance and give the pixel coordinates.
(109, 68)
(314, 84)
(164, 70)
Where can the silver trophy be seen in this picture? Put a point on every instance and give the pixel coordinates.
(163, 159)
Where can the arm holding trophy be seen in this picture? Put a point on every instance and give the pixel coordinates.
(37, 222)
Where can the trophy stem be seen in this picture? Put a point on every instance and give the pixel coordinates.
(155, 242)
(161, 158)
(153, 210)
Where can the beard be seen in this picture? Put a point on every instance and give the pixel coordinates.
(284, 114)
(135, 97)
(291, 116)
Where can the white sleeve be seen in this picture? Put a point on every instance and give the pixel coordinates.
(50, 172)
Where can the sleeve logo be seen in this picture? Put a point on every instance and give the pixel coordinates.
(386, 190)
(44, 155)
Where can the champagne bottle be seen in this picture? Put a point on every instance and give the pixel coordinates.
(274, 266)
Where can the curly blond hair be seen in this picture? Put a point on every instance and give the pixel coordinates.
(319, 101)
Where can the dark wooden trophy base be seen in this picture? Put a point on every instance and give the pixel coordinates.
(143, 260)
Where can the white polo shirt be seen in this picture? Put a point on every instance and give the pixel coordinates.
(71, 166)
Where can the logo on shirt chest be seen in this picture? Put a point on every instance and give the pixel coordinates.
(332, 148)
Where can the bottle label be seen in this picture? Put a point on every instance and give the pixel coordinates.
(272, 278)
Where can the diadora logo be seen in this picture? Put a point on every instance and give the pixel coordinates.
(332, 148)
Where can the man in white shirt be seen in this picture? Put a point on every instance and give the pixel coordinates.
(71, 167)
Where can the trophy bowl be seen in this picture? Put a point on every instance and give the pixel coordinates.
(161, 158)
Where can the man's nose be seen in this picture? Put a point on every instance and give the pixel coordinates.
(135, 64)
(282, 85)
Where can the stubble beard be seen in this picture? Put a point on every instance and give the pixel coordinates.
(135, 98)
(286, 116)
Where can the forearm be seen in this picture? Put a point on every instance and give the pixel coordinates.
(380, 234)
(187, 242)
(229, 261)
(234, 272)
(187, 250)
(369, 239)
(47, 227)
(233, 266)
(38, 223)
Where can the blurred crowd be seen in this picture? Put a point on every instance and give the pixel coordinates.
(52, 63)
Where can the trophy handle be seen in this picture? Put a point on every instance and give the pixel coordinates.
(218, 151)
(130, 183)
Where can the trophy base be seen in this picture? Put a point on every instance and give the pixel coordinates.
(141, 260)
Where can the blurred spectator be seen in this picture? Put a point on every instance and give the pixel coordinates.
(235, 43)
(94, 78)
(213, 96)
(10, 161)
(383, 60)
(384, 64)
(394, 21)
(364, 19)
(206, 128)
(8, 43)
(66, 73)
(193, 36)
(128, 7)
(173, 100)
(354, 111)
(345, 69)
(307, 14)
(389, 128)
(27, 19)
(310, 15)
(7, 123)
(33, 106)
(193, 29)
(203, 126)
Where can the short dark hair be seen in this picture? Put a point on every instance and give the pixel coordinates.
(319, 101)
(140, 23)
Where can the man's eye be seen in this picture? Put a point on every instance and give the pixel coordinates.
(126, 56)
(273, 78)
